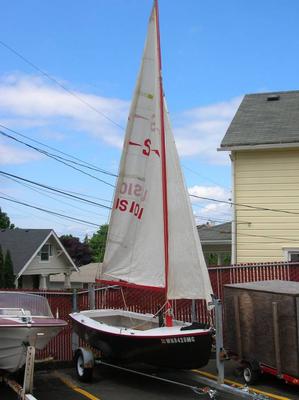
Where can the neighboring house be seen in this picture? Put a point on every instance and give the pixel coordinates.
(263, 139)
(78, 279)
(216, 242)
(36, 254)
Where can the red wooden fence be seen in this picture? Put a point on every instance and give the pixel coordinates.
(139, 300)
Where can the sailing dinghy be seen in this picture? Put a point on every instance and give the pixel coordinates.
(152, 240)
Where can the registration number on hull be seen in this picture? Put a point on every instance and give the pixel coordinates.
(189, 339)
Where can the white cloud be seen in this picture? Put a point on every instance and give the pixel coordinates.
(208, 210)
(13, 155)
(32, 100)
(28, 101)
(215, 192)
(199, 131)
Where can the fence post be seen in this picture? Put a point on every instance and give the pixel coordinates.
(219, 340)
(75, 337)
(193, 311)
(74, 301)
(91, 296)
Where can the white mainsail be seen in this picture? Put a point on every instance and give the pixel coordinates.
(135, 250)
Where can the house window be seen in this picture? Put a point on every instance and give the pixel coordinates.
(294, 256)
(291, 255)
(45, 252)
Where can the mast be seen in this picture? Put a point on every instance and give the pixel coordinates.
(168, 317)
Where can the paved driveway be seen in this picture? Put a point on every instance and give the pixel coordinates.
(111, 384)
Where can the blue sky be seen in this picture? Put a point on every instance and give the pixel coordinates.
(213, 52)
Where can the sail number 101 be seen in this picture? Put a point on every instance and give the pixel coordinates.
(129, 206)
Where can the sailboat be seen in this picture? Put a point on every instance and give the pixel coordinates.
(152, 240)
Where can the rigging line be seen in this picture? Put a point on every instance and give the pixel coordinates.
(50, 212)
(70, 92)
(54, 190)
(85, 163)
(57, 158)
(245, 205)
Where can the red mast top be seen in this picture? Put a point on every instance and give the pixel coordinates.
(164, 172)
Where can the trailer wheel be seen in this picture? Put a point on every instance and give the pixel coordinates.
(84, 374)
(250, 375)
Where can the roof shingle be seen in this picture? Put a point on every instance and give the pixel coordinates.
(22, 244)
(261, 119)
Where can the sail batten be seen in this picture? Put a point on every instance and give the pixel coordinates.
(152, 238)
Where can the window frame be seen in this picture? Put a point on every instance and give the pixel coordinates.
(49, 253)
(288, 251)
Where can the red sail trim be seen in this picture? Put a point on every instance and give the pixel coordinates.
(130, 285)
(164, 172)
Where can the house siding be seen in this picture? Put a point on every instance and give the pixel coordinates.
(268, 179)
(56, 264)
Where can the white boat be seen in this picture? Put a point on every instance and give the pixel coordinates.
(152, 241)
(25, 320)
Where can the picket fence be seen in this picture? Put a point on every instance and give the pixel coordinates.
(64, 302)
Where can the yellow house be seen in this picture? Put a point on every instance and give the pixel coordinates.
(263, 140)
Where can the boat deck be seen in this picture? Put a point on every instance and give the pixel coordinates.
(121, 321)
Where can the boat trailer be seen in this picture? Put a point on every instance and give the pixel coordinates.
(24, 392)
(86, 359)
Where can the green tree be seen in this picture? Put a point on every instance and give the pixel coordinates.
(97, 243)
(1, 269)
(5, 221)
(79, 252)
(9, 278)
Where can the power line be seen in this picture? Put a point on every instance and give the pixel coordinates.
(204, 177)
(262, 236)
(50, 212)
(6, 174)
(245, 205)
(93, 224)
(70, 92)
(55, 157)
(104, 206)
(85, 163)
(44, 192)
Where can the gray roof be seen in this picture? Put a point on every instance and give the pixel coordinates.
(265, 119)
(22, 244)
(215, 233)
(277, 286)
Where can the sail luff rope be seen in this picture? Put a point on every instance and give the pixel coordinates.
(163, 164)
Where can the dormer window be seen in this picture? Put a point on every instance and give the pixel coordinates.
(46, 252)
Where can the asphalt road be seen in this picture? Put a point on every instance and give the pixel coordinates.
(111, 384)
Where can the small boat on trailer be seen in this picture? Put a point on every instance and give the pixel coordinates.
(128, 337)
(152, 240)
(25, 320)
